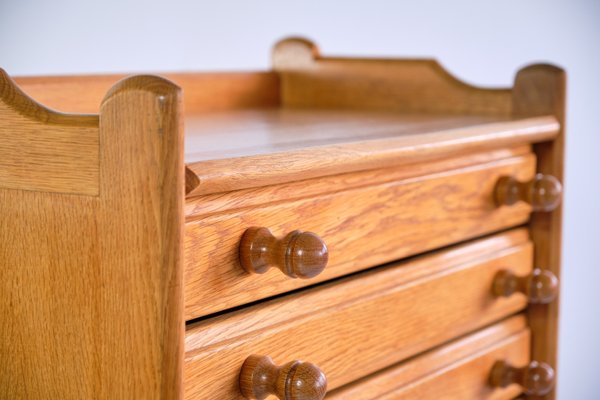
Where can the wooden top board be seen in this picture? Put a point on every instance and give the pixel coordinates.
(240, 149)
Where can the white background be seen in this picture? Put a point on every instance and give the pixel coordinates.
(482, 42)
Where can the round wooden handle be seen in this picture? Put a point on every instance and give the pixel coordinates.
(543, 192)
(295, 380)
(541, 287)
(298, 255)
(537, 378)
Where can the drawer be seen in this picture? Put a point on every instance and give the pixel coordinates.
(459, 370)
(358, 325)
(362, 227)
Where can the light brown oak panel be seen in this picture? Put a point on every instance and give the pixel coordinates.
(357, 326)
(362, 227)
(202, 92)
(91, 285)
(45, 151)
(456, 371)
(219, 202)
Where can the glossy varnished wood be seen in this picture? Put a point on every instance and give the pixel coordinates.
(543, 192)
(540, 287)
(64, 159)
(295, 380)
(458, 370)
(362, 227)
(359, 325)
(91, 283)
(382, 159)
(298, 254)
(278, 146)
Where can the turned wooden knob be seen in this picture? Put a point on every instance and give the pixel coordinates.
(537, 378)
(541, 287)
(298, 255)
(543, 192)
(295, 380)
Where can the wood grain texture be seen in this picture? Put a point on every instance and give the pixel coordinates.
(42, 150)
(220, 202)
(540, 90)
(362, 227)
(408, 85)
(91, 285)
(202, 92)
(142, 233)
(272, 149)
(359, 325)
(457, 371)
(295, 380)
(298, 254)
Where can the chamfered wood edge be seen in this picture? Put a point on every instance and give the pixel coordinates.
(540, 89)
(146, 105)
(20, 102)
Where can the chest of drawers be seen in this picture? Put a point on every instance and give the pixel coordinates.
(336, 227)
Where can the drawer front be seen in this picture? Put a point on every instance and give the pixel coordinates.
(457, 371)
(362, 227)
(361, 324)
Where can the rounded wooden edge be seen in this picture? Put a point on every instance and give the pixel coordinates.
(293, 53)
(259, 377)
(12, 96)
(146, 83)
(539, 67)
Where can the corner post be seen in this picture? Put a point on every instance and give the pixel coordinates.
(140, 238)
(540, 90)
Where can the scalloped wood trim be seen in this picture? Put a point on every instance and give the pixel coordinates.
(409, 85)
(91, 304)
(43, 150)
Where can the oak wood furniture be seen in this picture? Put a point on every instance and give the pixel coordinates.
(339, 227)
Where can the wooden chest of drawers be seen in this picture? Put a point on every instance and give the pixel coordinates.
(340, 228)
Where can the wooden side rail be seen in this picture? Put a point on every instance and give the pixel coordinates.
(309, 79)
(202, 92)
(90, 261)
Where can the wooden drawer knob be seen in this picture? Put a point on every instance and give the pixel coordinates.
(541, 287)
(295, 380)
(298, 255)
(543, 192)
(537, 378)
